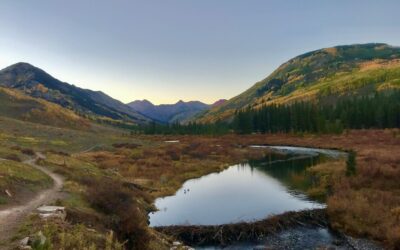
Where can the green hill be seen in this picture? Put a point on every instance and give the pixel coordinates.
(320, 75)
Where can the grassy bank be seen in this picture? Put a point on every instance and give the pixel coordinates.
(19, 181)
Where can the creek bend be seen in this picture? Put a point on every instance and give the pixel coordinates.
(245, 192)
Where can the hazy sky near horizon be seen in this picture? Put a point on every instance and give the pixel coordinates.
(168, 50)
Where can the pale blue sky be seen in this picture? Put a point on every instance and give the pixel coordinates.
(168, 50)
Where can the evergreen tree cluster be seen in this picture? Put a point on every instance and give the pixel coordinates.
(379, 110)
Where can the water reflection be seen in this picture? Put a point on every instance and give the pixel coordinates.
(291, 170)
(243, 192)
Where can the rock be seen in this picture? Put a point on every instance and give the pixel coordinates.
(9, 194)
(25, 247)
(46, 212)
(50, 209)
(176, 243)
(24, 244)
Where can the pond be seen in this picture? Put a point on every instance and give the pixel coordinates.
(244, 192)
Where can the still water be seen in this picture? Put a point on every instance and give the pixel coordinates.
(244, 192)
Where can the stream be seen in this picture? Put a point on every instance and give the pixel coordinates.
(250, 192)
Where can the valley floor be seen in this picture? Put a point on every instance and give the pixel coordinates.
(136, 169)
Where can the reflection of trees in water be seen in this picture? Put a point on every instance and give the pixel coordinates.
(289, 169)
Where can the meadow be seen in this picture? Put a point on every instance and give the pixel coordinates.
(112, 179)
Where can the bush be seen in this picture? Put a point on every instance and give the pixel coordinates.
(174, 153)
(13, 157)
(198, 150)
(28, 151)
(124, 215)
(126, 145)
(351, 164)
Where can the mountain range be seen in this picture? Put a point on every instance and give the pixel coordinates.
(37, 96)
(36, 83)
(325, 75)
(172, 113)
(322, 76)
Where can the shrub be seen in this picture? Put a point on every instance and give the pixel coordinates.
(13, 157)
(174, 153)
(28, 151)
(351, 163)
(126, 145)
(123, 212)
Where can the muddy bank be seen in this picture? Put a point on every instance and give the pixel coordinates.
(228, 234)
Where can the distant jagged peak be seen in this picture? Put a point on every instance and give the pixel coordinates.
(178, 111)
(144, 101)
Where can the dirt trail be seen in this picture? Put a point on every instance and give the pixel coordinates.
(12, 217)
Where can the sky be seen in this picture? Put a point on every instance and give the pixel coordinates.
(170, 50)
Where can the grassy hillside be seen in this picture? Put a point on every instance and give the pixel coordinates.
(320, 75)
(95, 104)
(14, 104)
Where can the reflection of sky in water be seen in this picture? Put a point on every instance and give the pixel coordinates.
(239, 193)
(307, 151)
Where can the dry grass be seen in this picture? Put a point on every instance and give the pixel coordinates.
(163, 167)
(15, 104)
(379, 63)
(64, 236)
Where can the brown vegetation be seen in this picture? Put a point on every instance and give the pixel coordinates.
(123, 213)
(27, 151)
(13, 157)
(163, 167)
(64, 236)
(126, 145)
